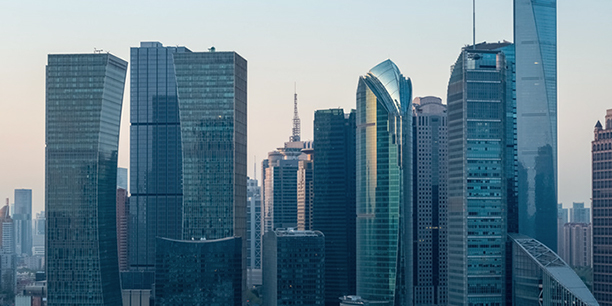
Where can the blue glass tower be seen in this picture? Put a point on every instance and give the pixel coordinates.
(384, 185)
(535, 36)
(155, 157)
(22, 217)
(477, 194)
(83, 111)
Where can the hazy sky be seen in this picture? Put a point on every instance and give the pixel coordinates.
(324, 46)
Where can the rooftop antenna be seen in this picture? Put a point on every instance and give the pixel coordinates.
(255, 167)
(474, 24)
(296, 118)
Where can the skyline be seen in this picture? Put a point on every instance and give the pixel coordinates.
(325, 58)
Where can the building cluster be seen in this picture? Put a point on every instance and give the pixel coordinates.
(399, 201)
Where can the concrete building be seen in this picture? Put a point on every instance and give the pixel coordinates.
(577, 245)
(253, 233)
(430, 151)
(293, 267)
(579, 213)
(8, 257)
(305, 191)
(82, 135)
(602, 205)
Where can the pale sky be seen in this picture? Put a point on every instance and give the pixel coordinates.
(324, 46)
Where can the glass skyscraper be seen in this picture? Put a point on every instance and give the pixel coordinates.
(535, 36)
(333, 210)
(212, 102)
(384, 185)
(84, 95)
(22, 217)
(155, 207)
(477, 194)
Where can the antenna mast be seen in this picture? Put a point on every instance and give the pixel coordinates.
(296, 118)
(474, 24)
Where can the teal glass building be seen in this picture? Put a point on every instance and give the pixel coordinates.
(535, 36)
(84, 95)
(212, 102)
(477, 191)
(384, 185)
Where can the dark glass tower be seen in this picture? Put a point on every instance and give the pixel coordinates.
(155, 207)
(212, 100)
(477, 194)
(202, 272)
(384, 185)
(83, 111)
(430, 168)
(333, 210)
(22, 218)
(602, 208)
(535, 36)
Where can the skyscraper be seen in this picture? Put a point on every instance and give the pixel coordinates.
(293, 268)
(477, 194)
(212, 102)
(430, 168)
(579, 213)
(602, 204)
(253, 233)
(535, 36)
(578, 244)
(83, 111)
(155, 207)
(8, 258)
(22, 218)
(333, 209)
(384, 185)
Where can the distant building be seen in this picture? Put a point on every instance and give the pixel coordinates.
(430, 197)
(38, 237)
(355, 300)
(82, 136)
(333, 210)
(199, 272)
(122, 178)
(253, 233)
(541, 277)
(122, 228)
(293, 267)
(305, 191)
(8, 258)
(577, 245)
(602, 205)
(22, 217)
(562, 219)
(580, 214)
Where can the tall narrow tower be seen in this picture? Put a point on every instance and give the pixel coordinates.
(295, 135)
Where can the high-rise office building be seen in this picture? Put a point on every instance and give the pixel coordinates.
(562, 218)
(579, 213)
(155, 206)
(602, 204)
(8, 257)
(22, 218)
(122, 228)
(38, 239)
(199, 272)
(212, 103)
(83, 111)
(477, 207)
(253, 233)
(430, 168)
(333, 210)
(305, 191)
(535, 36)
(384, 185)
(293, 267)
(577, 245)
(542, 278)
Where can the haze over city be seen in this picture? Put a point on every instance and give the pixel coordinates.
(322, 46)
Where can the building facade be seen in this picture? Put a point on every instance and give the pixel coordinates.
(155, 207)
(305, 191)
(579, 213)
(384, 185)
(22, 218)
(602, 210)
(578, 245)
(477, 193)
(293, 267)
(430, 170)
(8, 257)
(122, 228)
(541, 277)
(333, 210)
(199, 272)
(535, 35)
(253, 233)
(84, 95)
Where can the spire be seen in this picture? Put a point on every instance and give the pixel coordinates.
(296, 118)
